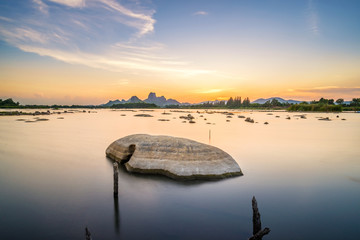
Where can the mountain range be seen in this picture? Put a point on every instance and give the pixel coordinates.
(162, 101)
(281, 100)
(152, 98)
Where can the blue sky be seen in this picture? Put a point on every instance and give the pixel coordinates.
(195, 50)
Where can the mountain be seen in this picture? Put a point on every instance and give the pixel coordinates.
(110, 103)
(134, 99)
(160, 101)
(152, 98)
(262, 100)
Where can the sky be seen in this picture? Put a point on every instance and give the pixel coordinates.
(91, 51)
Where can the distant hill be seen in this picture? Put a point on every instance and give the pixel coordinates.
(264, 100)
(133, 99)
(152, 98)
(160, 101)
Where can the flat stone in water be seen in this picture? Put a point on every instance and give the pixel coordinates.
(143, 115)
(177, 158)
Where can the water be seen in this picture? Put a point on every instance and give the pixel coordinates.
(305, 174)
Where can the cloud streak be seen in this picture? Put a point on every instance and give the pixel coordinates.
(313, 18)
(328, 89)
(208, 91)
(113, 39)
(70, 3)
(201, 13)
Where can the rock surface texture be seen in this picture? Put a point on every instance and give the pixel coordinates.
(177, 158)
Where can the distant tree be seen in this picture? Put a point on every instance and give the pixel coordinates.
(237, 102)
(355, 102)
(340, 101)
(331, 101)
(323, 101)
(267, 103)
(275, 103)
(8, 103)
(230, 102)
(246, 102)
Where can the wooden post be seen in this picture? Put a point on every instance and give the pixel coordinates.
(87, 234)
(260, 234)
(257, 232)
(256, 216)
(116, 179)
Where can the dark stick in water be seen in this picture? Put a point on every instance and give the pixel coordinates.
(256, 216)
(87, 234)
(116, 179)
(257, 232)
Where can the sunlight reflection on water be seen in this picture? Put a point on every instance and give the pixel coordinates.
(55, 178)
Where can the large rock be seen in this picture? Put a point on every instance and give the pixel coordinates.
(178, 158)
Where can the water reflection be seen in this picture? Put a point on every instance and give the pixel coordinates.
(312, 164)
(116, 215)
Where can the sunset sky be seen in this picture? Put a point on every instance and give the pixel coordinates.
(91, 51)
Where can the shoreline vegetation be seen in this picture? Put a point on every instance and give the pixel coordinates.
(323, 105)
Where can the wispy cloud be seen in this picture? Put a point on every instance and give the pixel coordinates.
(70, 3)
(328, 89)
(313, 18)
(207, 91)
(109, 62)
(201, 13)
(146, 23)
(41, 6)
(69, 31)
(5, 19)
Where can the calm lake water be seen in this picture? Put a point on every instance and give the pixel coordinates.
(55, 178)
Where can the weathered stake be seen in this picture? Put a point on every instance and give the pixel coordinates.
(87, 234)
(260, 234)
(257, 232)
(256, 216)
(116, 179)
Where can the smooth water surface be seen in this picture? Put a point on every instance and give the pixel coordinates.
(55, 178)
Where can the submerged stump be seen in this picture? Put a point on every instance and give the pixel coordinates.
(258, 233)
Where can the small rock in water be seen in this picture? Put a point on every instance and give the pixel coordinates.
(188, 117)
(288, 118)
(191, 121)
(240, 116)
(42, 119)
(325, 119)
(249, 120)
(266, 123)
(163, 120)
(143, 115)
(343, 119)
